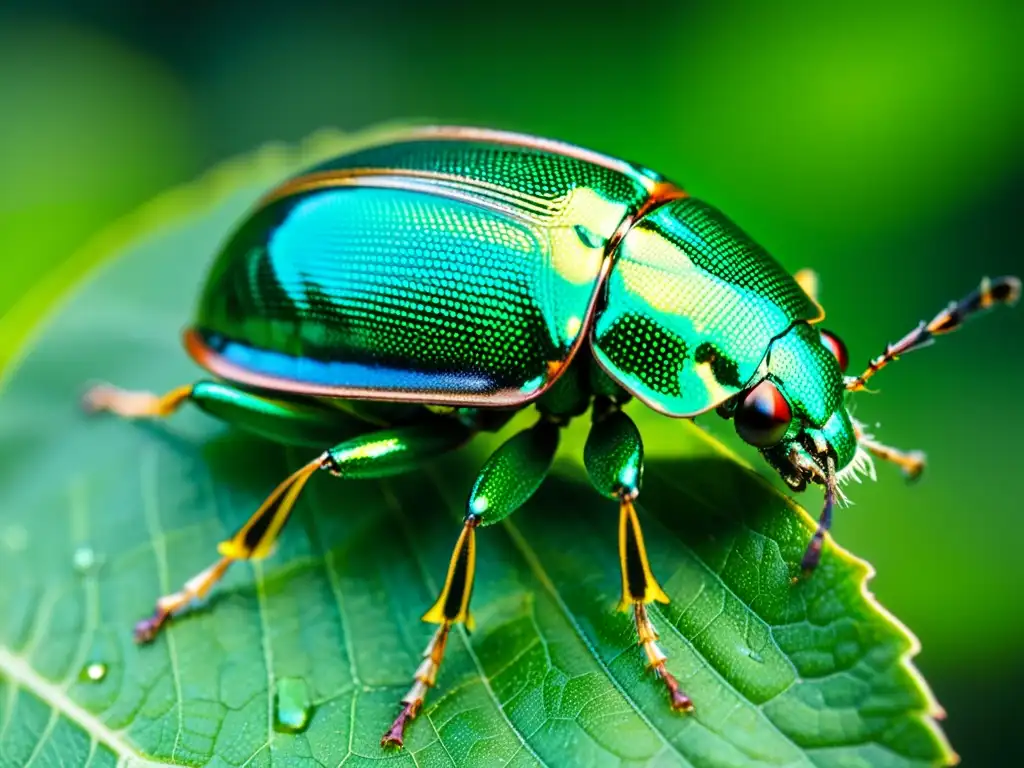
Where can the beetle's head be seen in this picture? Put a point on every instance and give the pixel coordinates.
(794, 408)
(794, 411)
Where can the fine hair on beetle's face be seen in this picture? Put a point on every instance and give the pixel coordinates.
(795, 411)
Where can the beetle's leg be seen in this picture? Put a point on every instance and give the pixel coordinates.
(812, 556)
(135, 404)
(295, 421)
(912, 463)
(614, 461)
(378, 454)
(510, 477)
(808, 280)
(1001, 290)
(253, 540)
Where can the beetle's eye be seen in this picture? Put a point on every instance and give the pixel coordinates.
(763, 415)
(837, 348)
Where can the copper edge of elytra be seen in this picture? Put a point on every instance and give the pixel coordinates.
(466, 133)
(389, 178)
(511, 138)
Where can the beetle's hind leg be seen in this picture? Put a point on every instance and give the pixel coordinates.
(373, 455)
(298, 421)
(253, 540)
(510, 477)
(614, 461)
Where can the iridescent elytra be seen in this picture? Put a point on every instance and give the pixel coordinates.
(384, 306)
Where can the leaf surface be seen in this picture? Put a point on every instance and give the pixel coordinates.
(100, 516)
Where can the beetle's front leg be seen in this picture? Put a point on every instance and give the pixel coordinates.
(510, 477)
(911, 463)
(614, 460)
(378, 454)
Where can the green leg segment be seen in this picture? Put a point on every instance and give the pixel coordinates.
(614, 456)
(373, 455)
(510, 477)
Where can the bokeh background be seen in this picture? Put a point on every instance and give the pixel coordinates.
(879, 143)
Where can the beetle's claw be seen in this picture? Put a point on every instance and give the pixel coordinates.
(813, 554)
(94, 399)
(680, 701)
(395, 737)
(914, 466)
(147, 629)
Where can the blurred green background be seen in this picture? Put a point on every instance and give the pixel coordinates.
(879, 143)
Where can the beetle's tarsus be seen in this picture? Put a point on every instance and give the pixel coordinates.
(424, 679)
(195, 588)
(132, 404)
(395, 737)
(656, 658)
(680, 701)
(911, 463)
(146, 630)
(812, 556)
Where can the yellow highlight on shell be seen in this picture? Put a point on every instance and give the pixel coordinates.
(572, 259)
(717, 392)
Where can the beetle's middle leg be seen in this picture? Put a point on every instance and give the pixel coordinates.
(510, 477)
(614, 461)
(373, 455)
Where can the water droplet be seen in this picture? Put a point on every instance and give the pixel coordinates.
(292, 707)
(94, 672)
(589, 238)
(84, 559)
(752, 655)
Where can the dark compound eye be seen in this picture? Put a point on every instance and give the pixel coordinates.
(763, 415)
(837, 348)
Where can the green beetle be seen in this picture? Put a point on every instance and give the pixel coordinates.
(395, 301)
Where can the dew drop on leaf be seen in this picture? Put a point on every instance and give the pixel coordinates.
(94, 672)
(84, 559)
(752, 655)
(292, 707)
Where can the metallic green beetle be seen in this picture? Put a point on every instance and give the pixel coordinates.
(394, 301)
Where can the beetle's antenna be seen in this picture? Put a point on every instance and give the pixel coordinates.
(1001, 290)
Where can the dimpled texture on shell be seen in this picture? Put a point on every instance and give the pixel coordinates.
(428, 269)
(691, 306)
(807, 373)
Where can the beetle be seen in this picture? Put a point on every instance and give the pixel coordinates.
(396, 300)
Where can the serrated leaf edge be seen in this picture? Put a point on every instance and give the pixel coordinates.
(934, 711)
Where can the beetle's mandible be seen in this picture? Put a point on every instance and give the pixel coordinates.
(396, 300)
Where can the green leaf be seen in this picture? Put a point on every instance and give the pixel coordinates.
(100, 516)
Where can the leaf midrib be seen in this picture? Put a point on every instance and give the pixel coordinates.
(20, 673)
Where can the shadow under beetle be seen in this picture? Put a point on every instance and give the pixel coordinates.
(422, 289)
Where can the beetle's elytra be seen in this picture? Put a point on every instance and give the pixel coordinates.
(395, 301)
